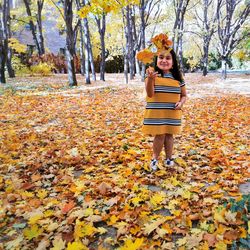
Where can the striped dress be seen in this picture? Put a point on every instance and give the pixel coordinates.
(160, 116)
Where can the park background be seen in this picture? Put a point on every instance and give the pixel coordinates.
(74, 164)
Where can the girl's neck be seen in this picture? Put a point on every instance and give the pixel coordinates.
(166, 72)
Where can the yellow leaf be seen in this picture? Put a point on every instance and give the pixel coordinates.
(136, 201)
(243, 232)
(220, 246)
(58, 244)
(113, 219)
(42, 193)
(101, 230)
(157, 198)
(82, 229)
(35, 218)
(219, 215)
(174, 181)
(32, 232)
(180, 162)
(130, 245)
(87, 212)
(248, 224)
(182, 242)
(48, 213)
(177, 212)
(76, 245)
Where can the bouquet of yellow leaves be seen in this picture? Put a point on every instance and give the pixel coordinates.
(160, 42)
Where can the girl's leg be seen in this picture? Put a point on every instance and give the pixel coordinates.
(158, 145)
(168, 145)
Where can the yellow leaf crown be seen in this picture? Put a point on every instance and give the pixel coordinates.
(160, 43)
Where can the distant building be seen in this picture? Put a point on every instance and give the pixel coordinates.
(54, 41)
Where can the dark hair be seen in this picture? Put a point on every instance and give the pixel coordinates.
(175, 70)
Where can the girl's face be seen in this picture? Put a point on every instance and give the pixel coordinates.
(165, 62)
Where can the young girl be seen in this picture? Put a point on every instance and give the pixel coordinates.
(166, 95)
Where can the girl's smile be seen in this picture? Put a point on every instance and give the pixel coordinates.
(165, 62)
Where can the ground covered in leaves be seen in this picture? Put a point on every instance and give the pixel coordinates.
(75, 173)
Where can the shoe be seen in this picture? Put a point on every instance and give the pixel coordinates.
(154, 164)
(169, 162)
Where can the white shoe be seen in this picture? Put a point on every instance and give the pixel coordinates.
(154, 164)
(169, 162)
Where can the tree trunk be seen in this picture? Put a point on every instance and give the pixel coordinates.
(32, 26)
(68, 15)
(39, 24)
(143, 43)
(180, 51)
(82, 46)
(205, 59)
(3, 40)
(2, 61)
(223, 68)
(180, 10)
(101, 24)
(126, 65)
(87, 50)
(82, 50)
(71, 69)
(130, 51)
(11, 71)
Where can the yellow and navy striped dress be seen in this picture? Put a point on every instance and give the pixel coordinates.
(160, 115)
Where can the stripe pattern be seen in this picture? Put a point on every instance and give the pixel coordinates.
(160, 105)
(167, 89)
(162, 121)
(160, 114)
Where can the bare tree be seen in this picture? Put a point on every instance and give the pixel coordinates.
(229, 27)
(180, 7)
(206, 23)
(38, 38)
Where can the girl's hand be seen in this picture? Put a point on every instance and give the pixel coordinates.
(178, 105)
(151, 74)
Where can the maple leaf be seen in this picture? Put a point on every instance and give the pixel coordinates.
(130, 245)
(157, 198)
(230, 216)
(36, 217)
(219, 214)
(58, 244)
(42, 193)
(82, 229)
(68, 206)
(150, 227)
(76, 245)
(33, 232)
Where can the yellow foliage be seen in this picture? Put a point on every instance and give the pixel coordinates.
(17, 46)
(42, 69)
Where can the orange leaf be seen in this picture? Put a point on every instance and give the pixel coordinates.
(68, 206)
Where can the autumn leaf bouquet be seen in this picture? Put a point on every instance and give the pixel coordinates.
(158, 44)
